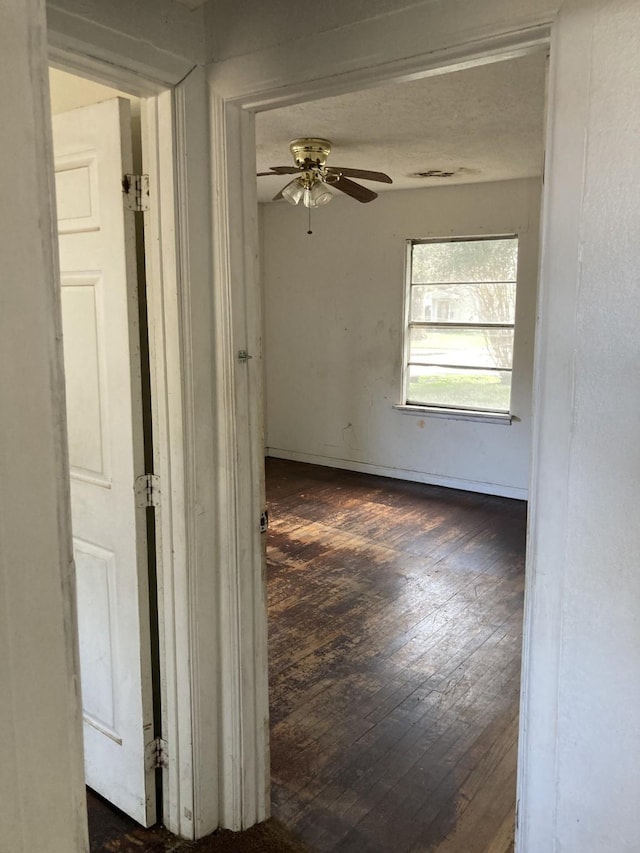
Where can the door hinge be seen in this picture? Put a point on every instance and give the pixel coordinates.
(155, 754)
(264, 521)
(136, 192)
(147, 490)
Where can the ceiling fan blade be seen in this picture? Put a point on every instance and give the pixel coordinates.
(280, 170)
(356, 191)
(360, 173)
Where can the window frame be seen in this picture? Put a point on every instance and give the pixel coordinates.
(446, 411)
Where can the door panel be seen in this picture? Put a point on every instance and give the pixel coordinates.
(85, 377)
(104, 412)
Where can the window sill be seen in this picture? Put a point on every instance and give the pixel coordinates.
(456, 414)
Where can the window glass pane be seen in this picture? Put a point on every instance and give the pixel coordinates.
(465, 347)
(463, 389)
(464, 303)
(468, 260)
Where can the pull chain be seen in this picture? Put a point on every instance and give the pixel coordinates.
(309, 231)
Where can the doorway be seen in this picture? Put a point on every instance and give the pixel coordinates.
(96, 134)
(333, 318)
(175, 133)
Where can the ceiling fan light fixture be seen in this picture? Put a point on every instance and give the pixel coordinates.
(315, 179)
(294, 192)
(317, 195)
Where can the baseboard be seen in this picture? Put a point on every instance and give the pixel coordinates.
(402, 474)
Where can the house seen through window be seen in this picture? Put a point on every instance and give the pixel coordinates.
(460, 323)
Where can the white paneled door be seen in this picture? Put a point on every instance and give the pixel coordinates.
(104, 410)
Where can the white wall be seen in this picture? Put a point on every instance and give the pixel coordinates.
(42, 799)
(242, 27)
(580, 785)
(68, 92)
(333, 336)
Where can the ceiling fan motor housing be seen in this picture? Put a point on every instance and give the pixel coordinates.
(310, 151)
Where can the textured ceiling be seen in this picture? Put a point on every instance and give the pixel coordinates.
(483, 123)
(192, 4)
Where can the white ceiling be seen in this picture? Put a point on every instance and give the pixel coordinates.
(192, 4)
(484, 123)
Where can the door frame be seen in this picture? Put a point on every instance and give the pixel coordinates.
(210, 548)
(280, 76)
(164, 139)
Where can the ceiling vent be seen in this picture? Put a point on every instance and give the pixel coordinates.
(445, 173)
(434, 173)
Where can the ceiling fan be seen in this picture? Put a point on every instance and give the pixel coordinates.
(314, 176)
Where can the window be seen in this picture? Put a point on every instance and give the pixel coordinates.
(460, 324)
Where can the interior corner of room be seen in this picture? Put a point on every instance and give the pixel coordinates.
(333, 301)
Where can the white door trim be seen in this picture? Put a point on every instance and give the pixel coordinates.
(133, 65)
(240, 87)
(242, 639)
(165, 360)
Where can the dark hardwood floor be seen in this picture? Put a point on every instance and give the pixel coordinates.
(395, 620)
(395, 628)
